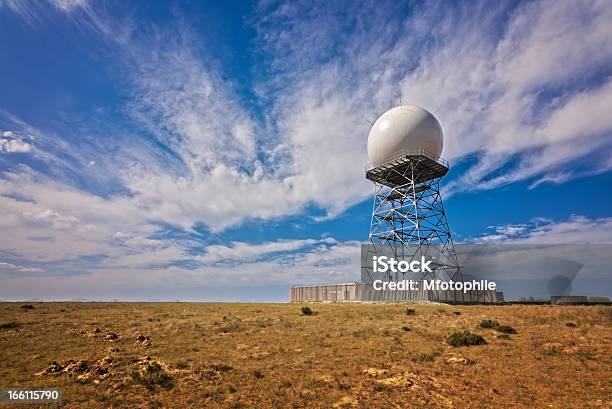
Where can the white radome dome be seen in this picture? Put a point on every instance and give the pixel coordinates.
(404, 128)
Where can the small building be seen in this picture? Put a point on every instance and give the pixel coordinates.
(327, 292)
(360, 292)
(569, 299)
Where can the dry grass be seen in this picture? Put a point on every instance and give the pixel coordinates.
(274, 356)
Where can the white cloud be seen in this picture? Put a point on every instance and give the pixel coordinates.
(76, 223)
(21, 269)
(33, 11)
(511, 230)
(555, 177)
(55, 219)
(139, 274)
(576, 230)
(10, 142)
(47, 222)
(244, 252)
(89, 17)
(27, 7)
(69, 5)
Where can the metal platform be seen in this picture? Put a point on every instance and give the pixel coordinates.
(405, 167)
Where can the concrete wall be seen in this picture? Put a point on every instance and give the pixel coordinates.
(365, 292)
(327, 292)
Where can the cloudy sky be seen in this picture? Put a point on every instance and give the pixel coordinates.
(216, 150)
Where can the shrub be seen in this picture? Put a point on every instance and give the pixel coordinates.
(27, 307)
(586, 354)
(151, 375)
(307, 310)
(457, 312)
(10, 325)
(410, 311)
(503, 336)
(406, 328)
(489, 324)
(552, 350)
(465, 338)
(571, 324)
(506, 329)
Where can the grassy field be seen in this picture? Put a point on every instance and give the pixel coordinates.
(274, 356)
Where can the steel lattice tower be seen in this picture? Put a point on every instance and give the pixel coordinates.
(408, 216)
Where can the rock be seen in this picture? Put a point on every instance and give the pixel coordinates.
(94, 332)
(374, 372)
(54, 368)
(77, 367)
(82, 369)
(84, 378)
(111, 336)
(397, 381)
(328, 379)
(99, 370)
(308, 394)
(143, 340)
(456, 360)
(346, 401)
(101, 366)
(207, 374)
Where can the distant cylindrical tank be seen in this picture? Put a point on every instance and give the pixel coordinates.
(406, 128)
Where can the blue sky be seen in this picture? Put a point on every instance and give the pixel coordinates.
(216, 150)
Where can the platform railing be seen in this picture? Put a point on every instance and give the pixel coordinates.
(406, 152)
